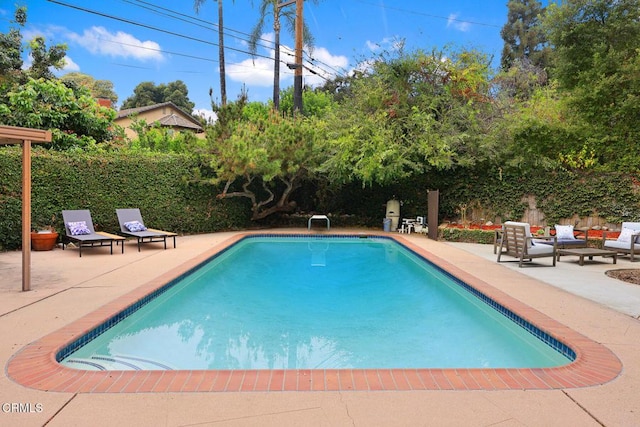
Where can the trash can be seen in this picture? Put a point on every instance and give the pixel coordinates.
(386, 224)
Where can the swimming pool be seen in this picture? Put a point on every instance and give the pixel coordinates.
(35, 365)
(306, 302)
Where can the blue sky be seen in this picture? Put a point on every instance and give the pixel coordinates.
(133, 41)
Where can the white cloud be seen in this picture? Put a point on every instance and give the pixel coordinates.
(259, 71)
(387, 43)
(255, 72)
(49, 32)
(325, 65)
(372, 46)
(208, 115)
(69, 65)
(458, 25)
(100, 41)
(364, 66)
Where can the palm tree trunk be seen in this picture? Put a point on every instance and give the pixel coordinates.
(223, 84)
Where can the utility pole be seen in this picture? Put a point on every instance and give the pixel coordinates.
(297, 79)
(297, 66)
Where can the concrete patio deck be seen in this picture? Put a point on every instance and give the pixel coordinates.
(66, 287)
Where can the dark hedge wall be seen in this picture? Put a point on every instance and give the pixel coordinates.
(158, 185)
(491, 195)
(154, 183)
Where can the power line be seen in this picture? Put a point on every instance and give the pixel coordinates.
(192, 18)
(150, 27)
(413, 12)
(168, 52)
(129, 21)
(163, 11)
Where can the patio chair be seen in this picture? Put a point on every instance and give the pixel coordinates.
(420, 226)
(132, 225)
(80, 231)
(627, 243)
(517, 242)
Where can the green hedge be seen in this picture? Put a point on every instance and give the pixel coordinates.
(158, 184)
(155, 183)
(466, 235)
(559, 195)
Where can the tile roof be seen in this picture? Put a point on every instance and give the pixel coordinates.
(184, 120)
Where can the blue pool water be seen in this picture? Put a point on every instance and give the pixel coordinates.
(315, 303)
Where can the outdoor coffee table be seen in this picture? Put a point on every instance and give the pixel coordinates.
(588, 252)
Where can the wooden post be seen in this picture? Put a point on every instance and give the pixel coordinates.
(25, 137)
(26, 215)
(432, 213)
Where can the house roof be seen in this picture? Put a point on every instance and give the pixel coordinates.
(175, 120)
(178, 118)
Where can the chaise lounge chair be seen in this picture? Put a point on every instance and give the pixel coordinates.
(517, 242)
(132, 225)
(79, 230)
(627, 243)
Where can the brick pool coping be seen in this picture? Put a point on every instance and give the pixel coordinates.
(35, 366)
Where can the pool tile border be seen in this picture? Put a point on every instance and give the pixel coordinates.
(35, 366)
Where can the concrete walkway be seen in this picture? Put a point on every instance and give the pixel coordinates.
(588, 281)
(66, 287)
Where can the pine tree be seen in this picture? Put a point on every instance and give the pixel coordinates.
(523, 35)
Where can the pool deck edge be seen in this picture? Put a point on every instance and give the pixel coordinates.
(34, 366)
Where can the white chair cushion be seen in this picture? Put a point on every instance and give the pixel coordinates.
(527, 230)
(540, 249)
(625, 235)
(634, 226)
(616, 244)
(564, 232)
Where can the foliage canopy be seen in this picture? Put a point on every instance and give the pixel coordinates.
(147, 93)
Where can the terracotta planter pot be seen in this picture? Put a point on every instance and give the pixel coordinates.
(43, 241)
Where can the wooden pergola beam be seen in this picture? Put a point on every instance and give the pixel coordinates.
(25, 137)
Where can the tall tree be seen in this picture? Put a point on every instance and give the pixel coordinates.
(277, 13)
(72, 114)
(12, 48)
(410, 113)
(33, 97)
(597, 64)
(98, 88)
(147, 93)
(523, 35)
(223, 84)
(263, 156)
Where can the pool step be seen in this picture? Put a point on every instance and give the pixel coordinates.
(115, 363)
